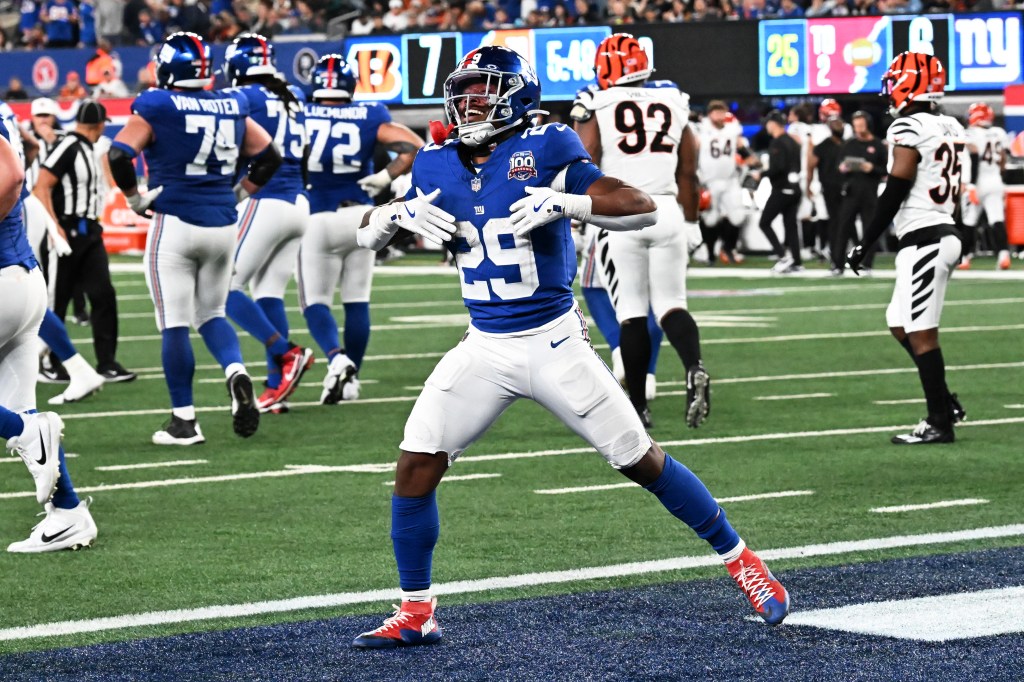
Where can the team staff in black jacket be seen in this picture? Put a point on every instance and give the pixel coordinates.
(862, 162)
(784, 174)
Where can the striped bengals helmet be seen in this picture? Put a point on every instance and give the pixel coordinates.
(620, 60)
(829, 109)
(981, 114)
(913, 77)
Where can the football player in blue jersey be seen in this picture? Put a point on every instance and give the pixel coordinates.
(343, 136)
(193, 139)
(34, 436)
(272, 221)
(501, 195)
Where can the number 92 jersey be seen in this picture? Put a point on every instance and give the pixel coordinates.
(289, 133)
(341, 139)
(194, 152)
(942, 144)
(510, 284)
(640, 133)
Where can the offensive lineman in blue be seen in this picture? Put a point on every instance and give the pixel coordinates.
(501, 196)
(343, 136)
(193, 140)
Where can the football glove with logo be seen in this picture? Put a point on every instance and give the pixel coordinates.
(541, 205)
(141, 201)
(417, 215)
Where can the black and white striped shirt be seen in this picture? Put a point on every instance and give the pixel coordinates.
(77, 193)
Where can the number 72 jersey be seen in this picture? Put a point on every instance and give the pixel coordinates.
(942, 144)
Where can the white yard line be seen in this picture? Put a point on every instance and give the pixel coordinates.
(152, 465)
(795, 396)
(966, 502)
(905, 401)
(462, 477)
(323, 601)
(226, 408)
(1014, 406)
(629, 484)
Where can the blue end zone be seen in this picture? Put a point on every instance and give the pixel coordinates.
(692, 630)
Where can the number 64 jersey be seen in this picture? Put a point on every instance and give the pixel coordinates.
(942, 143)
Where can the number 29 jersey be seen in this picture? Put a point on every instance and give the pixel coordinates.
(194, 152)
(510, 284)
(640, 133)
(942, 144)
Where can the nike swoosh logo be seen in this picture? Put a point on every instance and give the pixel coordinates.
(556, 344)
(51, 538)
(412, 214)
(42, 446)
(538, 206)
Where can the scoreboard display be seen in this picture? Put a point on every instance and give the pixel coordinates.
(850, 55)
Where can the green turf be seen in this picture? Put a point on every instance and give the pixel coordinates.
(240, 541)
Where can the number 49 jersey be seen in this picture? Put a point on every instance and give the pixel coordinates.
(942, 144)
(510, 284)
(194, 152)
(640, 133)
(989, 142)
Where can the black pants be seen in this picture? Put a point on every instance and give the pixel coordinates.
(858, 200)
(787, 205)
(88, 268)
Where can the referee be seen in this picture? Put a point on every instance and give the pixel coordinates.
(68, 187)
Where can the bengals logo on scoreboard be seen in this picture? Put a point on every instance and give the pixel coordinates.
(376, 65)
(522, 166)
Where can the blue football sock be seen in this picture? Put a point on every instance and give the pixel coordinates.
(64, 496)
(179, 365)
(250, 317)
(324, 328)
(599, 304)
(273, 308)
(686, 497)
(11, 423)
(55, 334)
(656, 335)
(415, 527)
(357, 331)
(221, 339)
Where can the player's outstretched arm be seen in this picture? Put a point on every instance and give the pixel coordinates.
(399, 139)
(266, 159)
(132, 139)
(417, 215)
(12, 175)
(901, 180)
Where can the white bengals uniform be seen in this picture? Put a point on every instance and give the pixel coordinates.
(923, 263)
(640, 131)
(719, 171)
(989, 144)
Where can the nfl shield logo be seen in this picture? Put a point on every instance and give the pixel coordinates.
(475, 184)
(522, 166)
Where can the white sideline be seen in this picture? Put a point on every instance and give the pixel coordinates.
(905, 401)
(491, 584)
(966, 502)
(463, 477)
(152, 465)
(795, 396)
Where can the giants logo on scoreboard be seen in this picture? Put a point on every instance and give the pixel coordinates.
(988, 50)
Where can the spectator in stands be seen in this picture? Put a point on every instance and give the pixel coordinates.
(30, 10)
(15, 90)
(586, 12)
(618, 12)
(86, 23)
(60, 18)
(150, 31)
(109, 20)
(72, 88)
(752, 9)
(362, 25)
(788, 9)
(267, 21)
(101, 62)
(145, 78)
(188, 15)
(397, 18)
(112, 86)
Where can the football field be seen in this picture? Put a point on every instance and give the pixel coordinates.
(286, 534)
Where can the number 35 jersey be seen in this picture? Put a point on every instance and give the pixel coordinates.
(341, 141)
(194, 152)
(942, 144)
(640, 133)
(510, 284)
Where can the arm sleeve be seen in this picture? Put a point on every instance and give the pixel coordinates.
(895, 193)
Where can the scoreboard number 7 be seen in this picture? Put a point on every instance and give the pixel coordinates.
(424, 57)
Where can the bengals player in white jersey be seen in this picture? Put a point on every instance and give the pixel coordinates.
(925, 175)
(721, 146)
(644, 135)
(986, 192)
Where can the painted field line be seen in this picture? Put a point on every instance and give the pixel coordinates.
(462, 477)
(152, 465)
(323, 601)
(795, 396)
(630, 484)
(227, 408)
(853, 306)
(905, 401)
(1014, 406)
(966, 502)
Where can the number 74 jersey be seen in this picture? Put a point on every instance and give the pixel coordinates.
(945, 164)
(640, 132)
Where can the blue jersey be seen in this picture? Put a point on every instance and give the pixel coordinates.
(14, 247)
(194, 152)
(289, 135)
(341, 143)
(509, 283)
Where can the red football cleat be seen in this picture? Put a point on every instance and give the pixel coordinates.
(294, 364)
(766, 594)
(267, 399)
(412, 625)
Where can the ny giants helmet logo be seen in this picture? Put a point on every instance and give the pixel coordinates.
(522, 166)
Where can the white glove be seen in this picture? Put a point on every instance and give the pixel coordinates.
(417, 215)
(376, 183)
(141, 201)
(241, 193)
(541, 205)
(693, 236)
(59, 245)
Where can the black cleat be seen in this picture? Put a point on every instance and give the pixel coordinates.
(245, 414)
(698, 395)
(959, 413)
(51, 371)
(925, 434)
(645, 416)
(114, 373)
(179, 431)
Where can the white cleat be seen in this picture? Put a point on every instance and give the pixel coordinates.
(341, 382)
(39, 447)
(651, 388)
(82, 385)
(61, 529)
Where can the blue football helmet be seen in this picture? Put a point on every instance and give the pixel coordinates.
(183, 61)
(510, 88)
(333, 78)
(250, 54)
